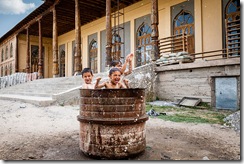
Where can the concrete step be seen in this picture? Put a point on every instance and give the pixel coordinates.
(39, 101)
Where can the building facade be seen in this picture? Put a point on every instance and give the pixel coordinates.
(131, 32)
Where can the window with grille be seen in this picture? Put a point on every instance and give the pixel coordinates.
(11, 50)
(93, 56)
(6, 53)
(2, 56)
(183, 23)
(144, 46)
(232, 28)
(116, 47)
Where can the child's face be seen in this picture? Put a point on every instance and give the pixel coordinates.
(115, 77)
(119, 65)
(87, 76)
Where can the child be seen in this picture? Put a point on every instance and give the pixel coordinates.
(87, 75)
(114, 75)
(118, 64)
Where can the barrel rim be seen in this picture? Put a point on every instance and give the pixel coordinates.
(113, 89)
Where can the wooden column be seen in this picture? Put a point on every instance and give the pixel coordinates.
(27, 51)
(55, 45)
(154, 35)
(78, 65)
(40, 55)
(16, 54)
(108, 32)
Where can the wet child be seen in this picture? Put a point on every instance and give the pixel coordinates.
(87, 76)
(122, 67)
(114, 82)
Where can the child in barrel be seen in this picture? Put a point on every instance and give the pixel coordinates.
(114, 82)
(87, 76)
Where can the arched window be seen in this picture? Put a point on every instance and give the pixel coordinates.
(93, 56)
(2, 56)
(183, 23)
(232, 9)
(6, 53)
(232, 27)
(116, 47)
(11, 50)
(143, 43)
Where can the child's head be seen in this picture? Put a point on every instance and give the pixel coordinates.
(116, 63)
(114, 75)
(87, 75)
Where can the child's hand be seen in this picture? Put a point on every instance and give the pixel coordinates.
(126, 81)
(129, 57)
(98, 79)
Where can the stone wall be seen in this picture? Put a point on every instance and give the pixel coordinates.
(194, 79)
(143, 77)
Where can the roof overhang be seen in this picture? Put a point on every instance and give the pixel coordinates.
(65, 11)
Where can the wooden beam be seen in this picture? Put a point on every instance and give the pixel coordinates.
(77, 38)
(27, 51)
(40, 55)
(154, 34)
(108, 32)
(55, 45)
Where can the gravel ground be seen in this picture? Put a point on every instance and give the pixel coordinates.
(29, 132)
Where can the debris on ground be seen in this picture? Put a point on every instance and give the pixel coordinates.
(233, 120)
(152, 112)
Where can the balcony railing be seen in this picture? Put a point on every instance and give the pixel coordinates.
(172, 44)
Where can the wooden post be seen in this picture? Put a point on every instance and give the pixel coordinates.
(40, 57)
(183, 42)
(16, 55)
(108, 32)
(78, 65)
(27, 51)
(55, 45)
(154, 35)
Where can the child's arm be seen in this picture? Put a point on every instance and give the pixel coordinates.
(126, 81)
(97, 85)
(127, 59)
(130, 69)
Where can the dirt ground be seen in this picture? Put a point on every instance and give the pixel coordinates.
(28, 132)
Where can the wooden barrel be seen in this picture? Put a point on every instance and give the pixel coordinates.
(112, 122)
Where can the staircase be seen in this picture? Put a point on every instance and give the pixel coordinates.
(65, 90)
(45, 92)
